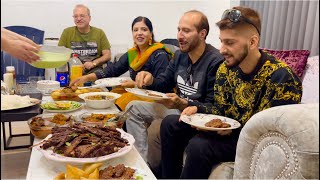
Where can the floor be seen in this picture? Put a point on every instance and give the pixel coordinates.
(14, 163)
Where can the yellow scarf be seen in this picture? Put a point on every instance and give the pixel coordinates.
(136, 62)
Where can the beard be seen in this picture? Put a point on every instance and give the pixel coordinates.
(242, 56)
(192, 45)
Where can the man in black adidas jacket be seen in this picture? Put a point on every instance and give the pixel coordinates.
(192, 72)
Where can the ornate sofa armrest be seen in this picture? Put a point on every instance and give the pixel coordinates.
(280, 142)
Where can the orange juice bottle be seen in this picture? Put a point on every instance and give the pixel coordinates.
(76, 68)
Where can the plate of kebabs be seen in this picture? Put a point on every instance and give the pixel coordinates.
(210, 122)
(81, 143)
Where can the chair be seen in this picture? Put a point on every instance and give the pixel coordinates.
(172, 44)
(23, 69)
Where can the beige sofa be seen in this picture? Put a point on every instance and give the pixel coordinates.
(280, 142)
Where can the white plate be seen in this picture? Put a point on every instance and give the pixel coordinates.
(111, 82)
(145, 93)
(56, 168)
(61, 110)
(31, 102)
(198, 120)
(49, 154)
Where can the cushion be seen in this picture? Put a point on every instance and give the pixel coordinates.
(295, 59)
(310, 83)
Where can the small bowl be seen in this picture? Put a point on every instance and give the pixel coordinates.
(43, 129)
(99, 104)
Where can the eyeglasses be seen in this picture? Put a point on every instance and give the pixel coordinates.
(81, 16)
(189, 75)
(234, 16)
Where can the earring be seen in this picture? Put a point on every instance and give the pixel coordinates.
(135, 44)
(150, 41)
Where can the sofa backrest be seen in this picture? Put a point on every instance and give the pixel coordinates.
(310, 81)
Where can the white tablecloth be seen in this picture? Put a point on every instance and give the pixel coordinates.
(42, 168)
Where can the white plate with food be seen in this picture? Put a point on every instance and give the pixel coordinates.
(99, 171)
(49, 154)
(112, 82)
(61, 106)
(143, 93)
(210, 122)
(11, 102)
(99, 100)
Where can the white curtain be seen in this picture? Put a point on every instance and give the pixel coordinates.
(287, 24)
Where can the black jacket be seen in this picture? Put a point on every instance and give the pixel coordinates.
(193, 82)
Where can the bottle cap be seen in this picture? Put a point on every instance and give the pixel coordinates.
(74, 55)
(10, 68)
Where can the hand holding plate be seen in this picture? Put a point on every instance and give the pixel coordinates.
(128, 84)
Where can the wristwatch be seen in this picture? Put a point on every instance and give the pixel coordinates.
(95, 64)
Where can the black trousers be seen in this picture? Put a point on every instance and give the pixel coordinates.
(203, 149)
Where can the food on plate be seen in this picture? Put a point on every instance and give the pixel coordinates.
(41, 126)
(152, 94)
(98, 117)
(37, 122)
(103, 119)
(71, 93)
(83, 141)
(64, 105)
(92, 171)
(16, 101)
(60, 119)
(117, 172)
(99, 97)
(217, 123)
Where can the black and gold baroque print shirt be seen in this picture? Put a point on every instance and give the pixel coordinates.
(240, 96)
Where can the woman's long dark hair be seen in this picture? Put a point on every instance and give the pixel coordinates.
(147, 22)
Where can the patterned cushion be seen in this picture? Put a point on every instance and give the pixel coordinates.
(296, 59)
(310, 83)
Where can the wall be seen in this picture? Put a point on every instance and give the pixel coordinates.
(113, 16)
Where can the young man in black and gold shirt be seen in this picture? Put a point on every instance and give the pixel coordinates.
(248, 82)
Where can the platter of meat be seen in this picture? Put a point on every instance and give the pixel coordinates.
(210, 122)
(80, 144)
(143, 93)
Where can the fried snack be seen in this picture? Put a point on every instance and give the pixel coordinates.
(71, 93)
(61, 175)
(217, 123)
(75, 173)
(111, 172)
(90, 168)
(94, 174)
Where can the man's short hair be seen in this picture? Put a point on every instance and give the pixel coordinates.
(82, 6)
(203, 23)
(248, 13)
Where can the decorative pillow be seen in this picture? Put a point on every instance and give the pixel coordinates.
(296, 59)
(310, 83)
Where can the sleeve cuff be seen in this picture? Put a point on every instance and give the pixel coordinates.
(100, 74)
